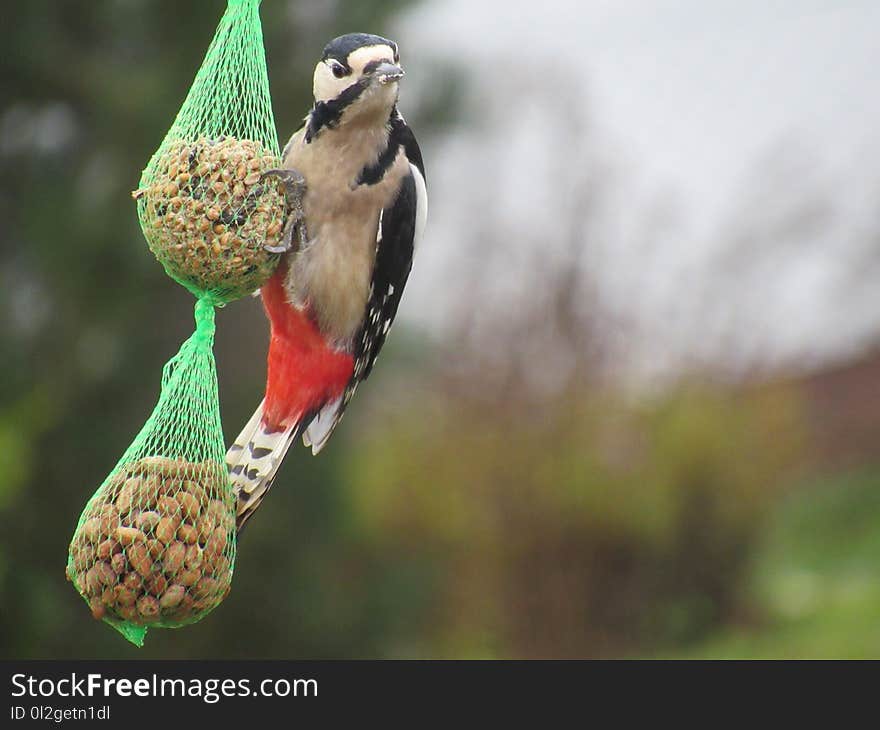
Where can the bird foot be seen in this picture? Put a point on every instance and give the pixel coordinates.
(294, 191)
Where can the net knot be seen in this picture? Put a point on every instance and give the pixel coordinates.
(205, 326)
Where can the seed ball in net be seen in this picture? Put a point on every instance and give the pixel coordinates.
(209, 214)
(155, 545)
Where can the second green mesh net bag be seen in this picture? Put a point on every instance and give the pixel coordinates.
(155, 544)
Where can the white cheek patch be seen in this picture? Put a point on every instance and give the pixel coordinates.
(325, 85)
(319, 82)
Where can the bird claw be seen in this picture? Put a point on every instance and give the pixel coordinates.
(281, 248)
(294, 191)
(294, 184)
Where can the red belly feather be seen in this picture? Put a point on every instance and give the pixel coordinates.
(304, 372)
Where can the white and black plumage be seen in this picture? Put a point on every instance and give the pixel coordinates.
(336, 292)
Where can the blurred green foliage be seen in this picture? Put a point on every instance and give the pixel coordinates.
(587, 527)
(813, 580)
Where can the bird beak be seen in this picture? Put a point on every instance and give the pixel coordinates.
(386, 72)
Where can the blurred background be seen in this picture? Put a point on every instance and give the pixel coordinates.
(631, 406)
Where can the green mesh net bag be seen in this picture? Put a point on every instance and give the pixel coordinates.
(155, 544)
(205, 209)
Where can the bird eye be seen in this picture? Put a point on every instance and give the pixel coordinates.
(339, 70)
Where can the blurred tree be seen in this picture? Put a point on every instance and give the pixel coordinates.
(580, 526)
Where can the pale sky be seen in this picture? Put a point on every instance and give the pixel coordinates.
(686, 99)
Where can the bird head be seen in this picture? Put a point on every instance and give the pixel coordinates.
(358, 77)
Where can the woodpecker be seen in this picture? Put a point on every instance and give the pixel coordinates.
(357, 202)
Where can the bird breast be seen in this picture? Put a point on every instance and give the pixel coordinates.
(331, 276)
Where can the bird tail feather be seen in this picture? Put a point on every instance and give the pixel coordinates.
(253, 460)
